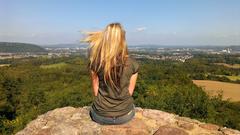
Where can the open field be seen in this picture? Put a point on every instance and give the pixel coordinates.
(229, 90)
(57, 65)
(3, 65)
(232, 77)
(229, 65)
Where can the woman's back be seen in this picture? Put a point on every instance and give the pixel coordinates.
(110, 102)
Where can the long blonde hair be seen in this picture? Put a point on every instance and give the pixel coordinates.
(108, 51)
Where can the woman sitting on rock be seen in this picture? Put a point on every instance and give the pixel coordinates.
(113, 75)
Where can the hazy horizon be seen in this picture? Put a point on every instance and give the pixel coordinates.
(168, 23)
(130, 45)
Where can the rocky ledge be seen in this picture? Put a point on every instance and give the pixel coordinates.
(76, 121)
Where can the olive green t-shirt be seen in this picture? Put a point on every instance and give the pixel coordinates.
(109, 102)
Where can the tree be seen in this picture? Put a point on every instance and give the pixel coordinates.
(11, 88)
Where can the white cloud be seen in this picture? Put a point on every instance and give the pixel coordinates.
(141, 29)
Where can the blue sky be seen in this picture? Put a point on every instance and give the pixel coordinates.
(160, 22)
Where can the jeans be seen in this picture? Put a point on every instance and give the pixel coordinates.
(112, 120)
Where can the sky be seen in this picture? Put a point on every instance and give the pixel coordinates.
(155, 22)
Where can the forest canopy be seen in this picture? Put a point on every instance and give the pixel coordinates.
(32, 86)
(14, 47)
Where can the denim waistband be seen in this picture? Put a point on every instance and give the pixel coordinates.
(120, 115)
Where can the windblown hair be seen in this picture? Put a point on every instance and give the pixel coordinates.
(108, 51)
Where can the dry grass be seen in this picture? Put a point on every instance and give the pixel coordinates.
(230, 90)
(229, 65)
(4, 65)
(232, 77)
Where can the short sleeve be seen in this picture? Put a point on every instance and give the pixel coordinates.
(135, 66)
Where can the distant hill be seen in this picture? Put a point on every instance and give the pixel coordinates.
(65, 45)
(14, 47)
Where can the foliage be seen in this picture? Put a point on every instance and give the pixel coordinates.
(204, 67)
(28, 90)
(14, 47)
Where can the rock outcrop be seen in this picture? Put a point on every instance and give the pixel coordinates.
(76, 121)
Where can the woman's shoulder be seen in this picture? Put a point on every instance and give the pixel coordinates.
(134, 66)
(131, 59)
(132, 62)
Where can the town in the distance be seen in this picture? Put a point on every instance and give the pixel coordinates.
(156, 52)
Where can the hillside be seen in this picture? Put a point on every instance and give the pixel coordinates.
(32, 87)
(75, 121)
(14, 47)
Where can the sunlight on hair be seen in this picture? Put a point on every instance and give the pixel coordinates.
(108, 50)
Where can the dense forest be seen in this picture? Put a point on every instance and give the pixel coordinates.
(14, 47)
(32, 86)
(204, 67)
